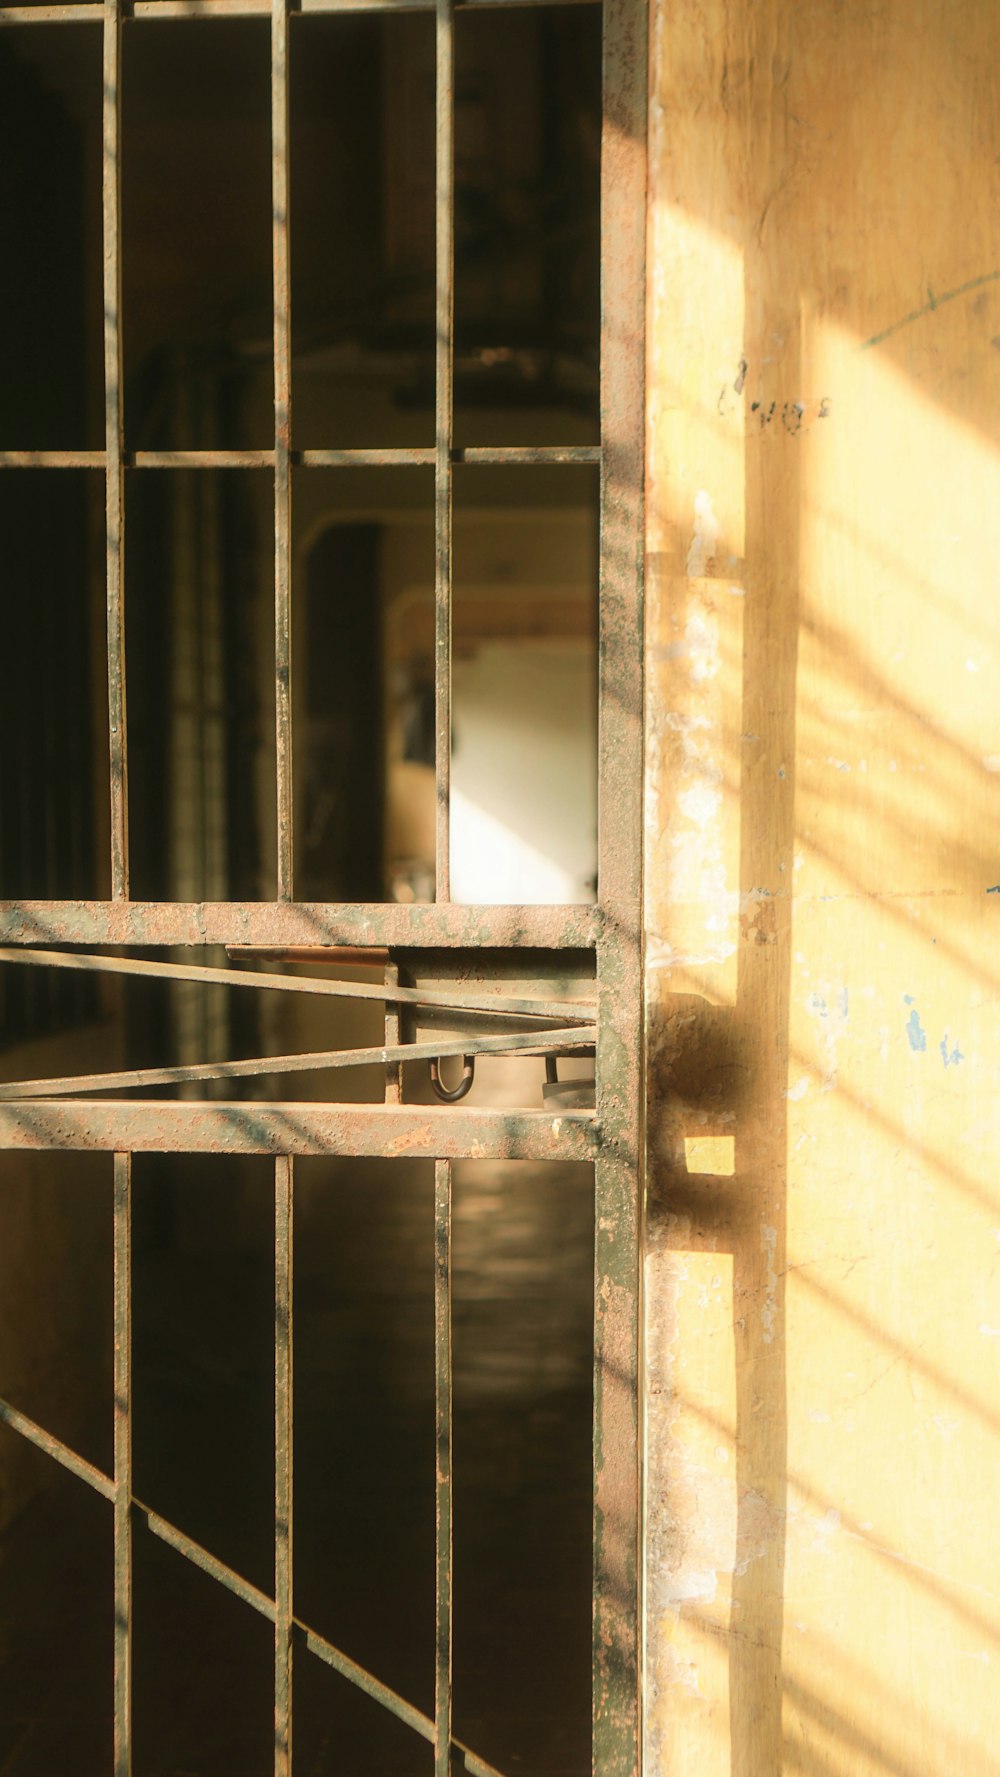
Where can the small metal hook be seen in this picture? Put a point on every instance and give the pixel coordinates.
(464, 1084)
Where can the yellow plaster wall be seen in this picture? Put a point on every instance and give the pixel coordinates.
(823, 870)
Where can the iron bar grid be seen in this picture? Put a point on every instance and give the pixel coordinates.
(292, 1629)
(612, 1138)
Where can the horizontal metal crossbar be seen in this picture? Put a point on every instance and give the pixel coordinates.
(393, 1132)
(84, 11)
(234, 1582)
(392, 457)
(531, 1042)
(573, 1011)
(417, 926)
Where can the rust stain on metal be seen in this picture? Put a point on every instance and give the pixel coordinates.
(185, 1127)
(419, 926)
(114, 449)
(444, 180)
(282, 445)
(443, 1452)
(123, 1464)
(620, 1067)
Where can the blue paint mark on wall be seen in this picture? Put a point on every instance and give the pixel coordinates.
(915, 1032)
(994, 890)
(951, 1058)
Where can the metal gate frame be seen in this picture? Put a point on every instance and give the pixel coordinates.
(611, 1137)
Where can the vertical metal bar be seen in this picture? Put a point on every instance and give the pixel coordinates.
(442, 1396)
(114, 447)
(123, 1464)
(393, 1027)
(444, 422)
(283, 1282)
(282, 443)
(620, 1046)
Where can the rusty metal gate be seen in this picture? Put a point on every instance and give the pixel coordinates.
(482, 941)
